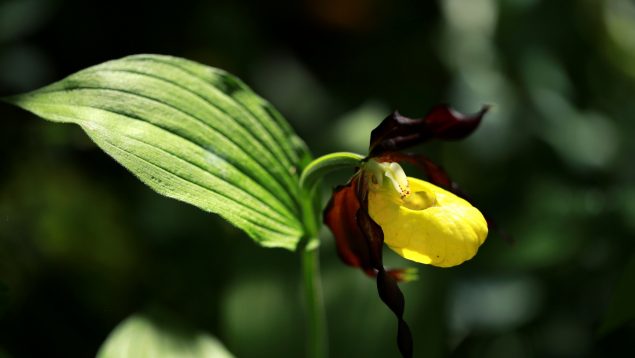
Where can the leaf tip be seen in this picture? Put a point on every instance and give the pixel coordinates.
(17, 100)
(13, 99)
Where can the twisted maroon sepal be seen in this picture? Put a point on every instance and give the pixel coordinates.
(398, 132)
(359, 240)
(358, 237)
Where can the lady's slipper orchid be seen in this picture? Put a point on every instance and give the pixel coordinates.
(426, 222)
(421, 221)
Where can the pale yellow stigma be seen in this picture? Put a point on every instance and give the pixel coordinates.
(392, 171)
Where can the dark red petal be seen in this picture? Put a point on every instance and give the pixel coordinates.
(355, 247)
(448, 124)
(398, 132)
(340, 217)
(387, 287)
(373, 234)
(359, 240)
(390, 293)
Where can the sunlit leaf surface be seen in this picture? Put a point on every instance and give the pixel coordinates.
(190, 132)
(141, 336)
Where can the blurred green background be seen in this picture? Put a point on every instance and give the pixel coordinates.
(84, 245)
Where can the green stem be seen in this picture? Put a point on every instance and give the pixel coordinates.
(314, 302)
(318, 340)
(316, 320)
(326, 164)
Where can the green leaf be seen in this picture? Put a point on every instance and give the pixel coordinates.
(192, 133)
(141, 336)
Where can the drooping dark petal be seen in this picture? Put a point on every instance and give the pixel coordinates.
(359, 240)
(392, 296)
(398, 132)
(340, 217)
(387, 287)
(373, 234)
(353, 246)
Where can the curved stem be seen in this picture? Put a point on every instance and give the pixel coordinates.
(326, 164)
(316, 315)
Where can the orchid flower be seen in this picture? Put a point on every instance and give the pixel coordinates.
(428, 222)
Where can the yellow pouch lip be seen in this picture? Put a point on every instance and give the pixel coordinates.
(451, 229)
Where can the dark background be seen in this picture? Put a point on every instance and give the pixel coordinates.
(83, 244)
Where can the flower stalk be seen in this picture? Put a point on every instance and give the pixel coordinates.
(314, 301)
(323, 165)
(317, 342)
(316, 316)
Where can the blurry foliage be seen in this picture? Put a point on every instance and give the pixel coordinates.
(4, 298)
(158, 335)
(621, 309)
(83, 245)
